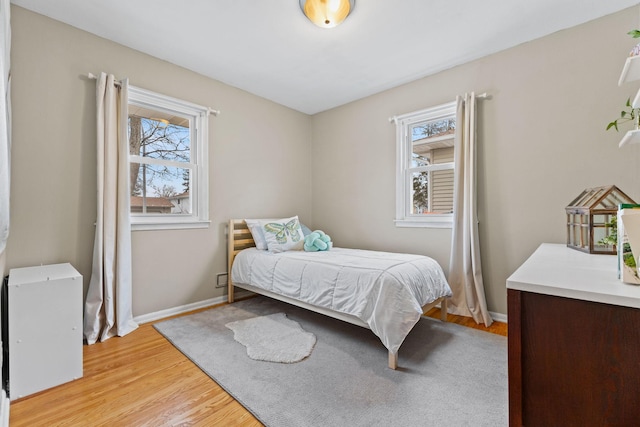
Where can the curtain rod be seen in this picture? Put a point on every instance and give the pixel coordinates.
(94, 77)
(117, 83)
(483, 95)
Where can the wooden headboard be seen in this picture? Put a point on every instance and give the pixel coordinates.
(239, 238)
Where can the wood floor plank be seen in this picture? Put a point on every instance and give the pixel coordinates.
(498, 328)
(143, 380)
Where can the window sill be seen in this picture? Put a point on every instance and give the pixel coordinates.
(168, 225)
(431, 223)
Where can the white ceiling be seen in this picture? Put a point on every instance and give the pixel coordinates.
(268, 47)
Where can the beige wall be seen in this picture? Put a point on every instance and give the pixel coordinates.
(259, 155)
(542, 140)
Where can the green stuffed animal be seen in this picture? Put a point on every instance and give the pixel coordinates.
(318, 240)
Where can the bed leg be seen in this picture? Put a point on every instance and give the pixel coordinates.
(443, 310)
(230, 295)
(393, 360)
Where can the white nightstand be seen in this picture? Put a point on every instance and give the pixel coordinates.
(44, 327)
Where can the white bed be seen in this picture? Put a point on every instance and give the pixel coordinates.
(381, 291)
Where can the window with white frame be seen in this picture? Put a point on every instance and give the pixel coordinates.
(425, 167)
(168, 162)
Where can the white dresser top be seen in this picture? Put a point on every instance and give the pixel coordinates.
(41, 273)
(555, 269)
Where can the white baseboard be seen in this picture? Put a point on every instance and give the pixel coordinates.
(4, 409)
(498, 317)
(152, 317)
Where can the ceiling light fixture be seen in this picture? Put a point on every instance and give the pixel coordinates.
(327, 13)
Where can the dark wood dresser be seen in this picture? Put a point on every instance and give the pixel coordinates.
(574, 341)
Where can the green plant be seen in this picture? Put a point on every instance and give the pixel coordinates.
(628, 258)
(634, 33)
(629, 113)
(612, 238)
(626, 115)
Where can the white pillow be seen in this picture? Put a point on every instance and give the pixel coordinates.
(283, 234)
(258, 235)
(256, 232)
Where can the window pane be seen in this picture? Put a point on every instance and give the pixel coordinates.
(160, 189)
(432, 144)
(420, 157)
(434, 128)
(429, 139)
(420, 154)
(442, 189)
(168, 159)
(432, 192)
(420, 193)
(158, 135)
(425, 166)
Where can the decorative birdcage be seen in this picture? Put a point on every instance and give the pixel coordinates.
(591, 219)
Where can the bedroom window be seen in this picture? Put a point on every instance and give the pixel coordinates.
(167, 161)
(425, 166)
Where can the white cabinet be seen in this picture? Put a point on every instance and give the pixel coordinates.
(44, 327)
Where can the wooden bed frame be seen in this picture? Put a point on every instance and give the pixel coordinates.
(240, 238)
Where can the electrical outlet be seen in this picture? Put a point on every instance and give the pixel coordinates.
(221, 280)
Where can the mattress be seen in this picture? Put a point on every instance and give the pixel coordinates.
(385, 290)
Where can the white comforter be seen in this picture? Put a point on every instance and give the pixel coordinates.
(385, 290)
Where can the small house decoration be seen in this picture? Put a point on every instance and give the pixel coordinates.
(591, 219)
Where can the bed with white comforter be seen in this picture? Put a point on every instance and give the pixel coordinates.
(385, 292)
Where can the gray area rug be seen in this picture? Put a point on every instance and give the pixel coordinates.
(273, 338)
(448, 374)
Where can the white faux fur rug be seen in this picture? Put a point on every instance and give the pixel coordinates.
(273, 338)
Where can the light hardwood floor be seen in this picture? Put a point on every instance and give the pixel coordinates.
(143, 380)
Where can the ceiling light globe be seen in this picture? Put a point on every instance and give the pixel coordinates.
(327, 13)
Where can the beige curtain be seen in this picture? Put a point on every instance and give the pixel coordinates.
(108, 305)
(465, 270)
(5, 125)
